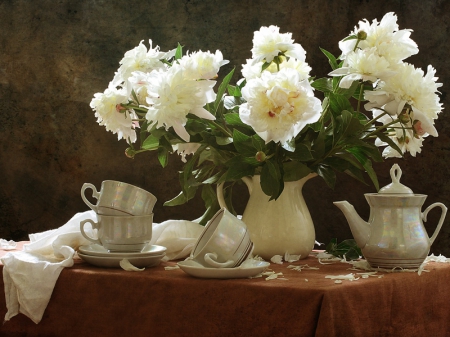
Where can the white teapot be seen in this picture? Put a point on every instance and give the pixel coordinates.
(394, 236)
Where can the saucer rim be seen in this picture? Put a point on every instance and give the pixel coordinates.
(84, 250)
(223, 273)
(114, 262)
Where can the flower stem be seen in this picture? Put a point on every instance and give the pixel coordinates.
(381, 128)
(221, 128)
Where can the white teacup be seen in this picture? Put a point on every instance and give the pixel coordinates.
(118, 198)
(121, 233)
(224, 243)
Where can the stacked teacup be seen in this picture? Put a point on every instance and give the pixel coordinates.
(124, 216)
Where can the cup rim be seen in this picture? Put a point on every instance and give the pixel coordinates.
(220, 214)
(128, 185)
(125, 216)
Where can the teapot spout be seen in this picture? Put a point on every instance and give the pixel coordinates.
(360, 228)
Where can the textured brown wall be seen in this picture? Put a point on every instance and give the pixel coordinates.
(56, 54)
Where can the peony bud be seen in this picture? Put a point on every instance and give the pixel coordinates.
(260, 156)
(362, 35)
(130, 153)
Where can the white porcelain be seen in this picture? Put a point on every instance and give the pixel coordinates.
(278, 226)
(121, 233)
(114, 261)
(395, 235)
(224, 242)
(248, 268)
(118, 198)
(98, 250)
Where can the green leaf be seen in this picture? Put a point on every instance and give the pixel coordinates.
(347, 249)
(222, 89)
(231, 102)
(163, 156)
(211, 204)
(331, 59)
(384, 138)
(295, 170)
(233, 119)
(240, 166)
(180, 199)
(243, 144)
(302, 153)
(271, 182)
(150, 143)
(258, 143)
(224, 140)
(179, 52)
(289, 145)
(327, 174)
(338, 103)
(323, 84)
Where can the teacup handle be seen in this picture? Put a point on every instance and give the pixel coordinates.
(211, 258)
(441, 220)
(247, 180)
(95, 195)
(94, 225)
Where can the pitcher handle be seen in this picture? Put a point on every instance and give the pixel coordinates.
(441, 220)
(247, 180)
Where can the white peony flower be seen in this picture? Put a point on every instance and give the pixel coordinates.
(109, 113)
(365, 65)
(279, 105)
(138, 82)
(202, 65)
(253, 70)
(139, 59)
(405, 140)
(408, 86)
(268, 42)
(184, 149)
(391, 43)
(171, 96)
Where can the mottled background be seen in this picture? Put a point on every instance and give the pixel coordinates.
(55, 55)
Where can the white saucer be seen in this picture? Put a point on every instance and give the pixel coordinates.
(114, 261)
(248, 268)
(97, 250)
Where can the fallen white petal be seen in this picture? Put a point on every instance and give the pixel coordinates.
(126, 265)
(278, 259)
(291, 258)
(338, 281)
(7, 245)
(350, 276)
(171, 267)
(274, 276)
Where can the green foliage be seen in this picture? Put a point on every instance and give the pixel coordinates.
(347, 249)
(342, 141)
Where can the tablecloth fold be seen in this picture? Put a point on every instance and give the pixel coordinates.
(30, 275)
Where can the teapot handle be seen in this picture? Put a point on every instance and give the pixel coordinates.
(247, 180)
(441, 220)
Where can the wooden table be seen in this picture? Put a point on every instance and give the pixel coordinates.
(93, 301)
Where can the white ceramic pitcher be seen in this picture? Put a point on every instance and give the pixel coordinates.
(277, 226)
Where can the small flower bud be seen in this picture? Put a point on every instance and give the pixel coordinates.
(362, 35)
(260, 156)
(130, 153)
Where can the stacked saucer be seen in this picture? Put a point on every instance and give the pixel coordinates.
(98, 255)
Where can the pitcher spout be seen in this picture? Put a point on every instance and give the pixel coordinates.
(360, 228)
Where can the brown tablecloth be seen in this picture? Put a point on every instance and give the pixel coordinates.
(93, 301)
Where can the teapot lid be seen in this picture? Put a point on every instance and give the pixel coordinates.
(395, 187)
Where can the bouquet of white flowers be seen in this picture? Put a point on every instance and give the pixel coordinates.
(270, 122)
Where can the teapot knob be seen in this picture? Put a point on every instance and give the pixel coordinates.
(396, 173)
